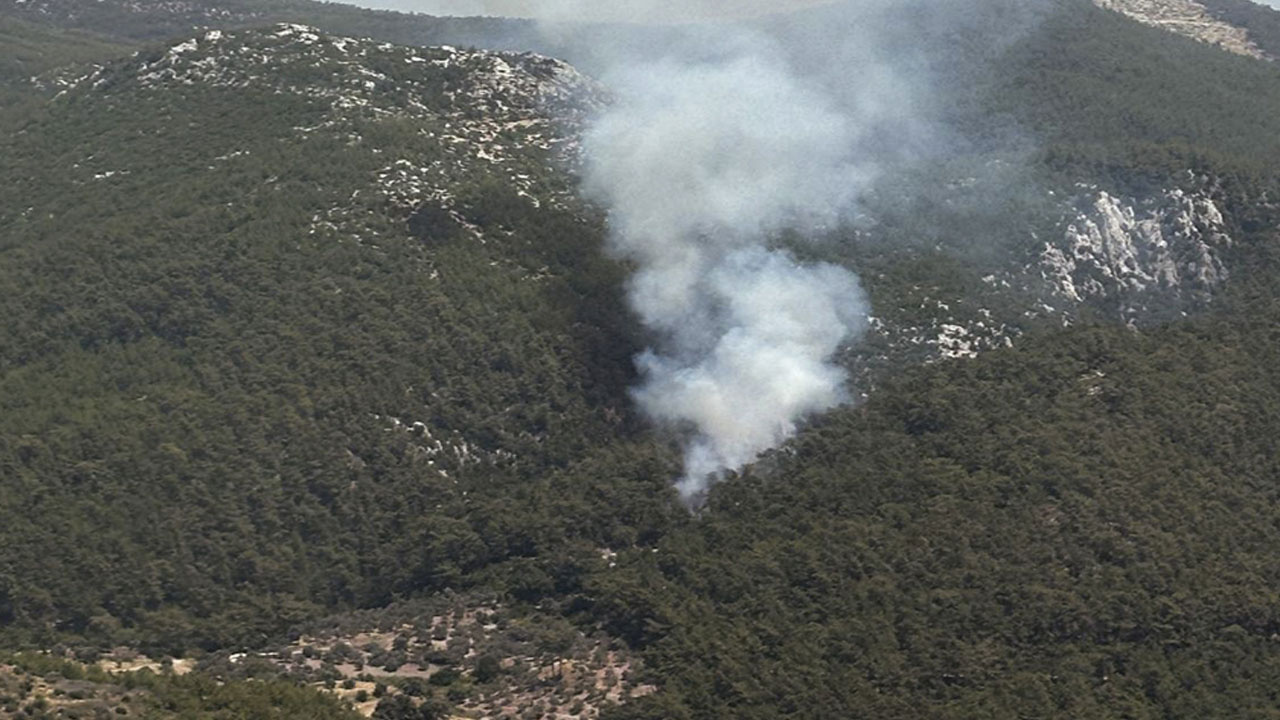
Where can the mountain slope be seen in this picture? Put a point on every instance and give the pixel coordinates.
(1243, 27)
(32, 49)
(231, 288)
(155, 20)
(1190, 18)
(1260, 21)
(27, 50)
(312, 362)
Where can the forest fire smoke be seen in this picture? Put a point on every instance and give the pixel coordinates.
(717, 142)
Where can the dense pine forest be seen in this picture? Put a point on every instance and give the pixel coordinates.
(254, 393)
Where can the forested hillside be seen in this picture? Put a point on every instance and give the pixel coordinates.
(159, 21)
(232, 287)
(313, 370)
(30, 50)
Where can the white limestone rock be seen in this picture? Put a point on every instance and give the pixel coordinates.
(1134, 251)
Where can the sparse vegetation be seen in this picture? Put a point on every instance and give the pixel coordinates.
(42, 686)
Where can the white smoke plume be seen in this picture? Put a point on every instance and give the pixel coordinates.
(721, 137)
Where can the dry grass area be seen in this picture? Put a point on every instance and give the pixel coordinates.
(25, 694)
(361, 695)
(124, 659)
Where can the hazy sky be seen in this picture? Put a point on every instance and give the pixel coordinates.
(679, 10)
(672, 10)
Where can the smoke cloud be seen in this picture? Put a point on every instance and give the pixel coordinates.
(722, 137)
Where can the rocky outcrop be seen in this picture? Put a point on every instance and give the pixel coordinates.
(1165, 249)
(1189, 18)
(1139, 260)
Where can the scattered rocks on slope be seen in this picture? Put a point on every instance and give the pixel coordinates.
(477, 112)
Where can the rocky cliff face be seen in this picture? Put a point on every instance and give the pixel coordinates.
(1136, 260)
(1189, 18)
(1163, 250)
